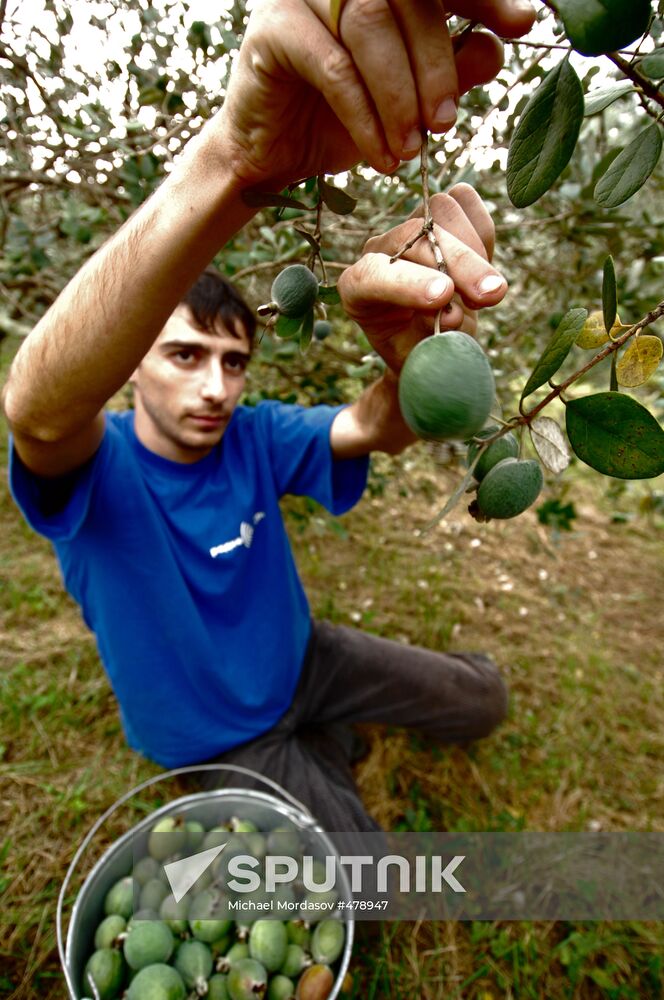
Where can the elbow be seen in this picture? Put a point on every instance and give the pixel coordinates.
(22, 420)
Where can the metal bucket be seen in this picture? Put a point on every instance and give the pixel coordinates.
(264, 809)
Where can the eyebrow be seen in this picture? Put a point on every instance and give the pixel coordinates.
(190, 345)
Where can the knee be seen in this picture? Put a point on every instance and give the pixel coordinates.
(493, 700)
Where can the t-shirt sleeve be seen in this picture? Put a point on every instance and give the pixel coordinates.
(302, 461)
(56, 507)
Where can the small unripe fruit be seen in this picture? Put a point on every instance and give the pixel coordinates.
(147, 943)
(509, 488)
(294, 290)
(322, 329)
(506, 446)
(247, 980)
(268, 943)
(104, 970)
(157, 982)
(446, 387)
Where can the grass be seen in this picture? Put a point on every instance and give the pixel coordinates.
(575, 623)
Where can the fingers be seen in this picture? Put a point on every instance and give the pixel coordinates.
(476, 212)
(402, 53)
(465, 234)
(508, 18)
(479, 60)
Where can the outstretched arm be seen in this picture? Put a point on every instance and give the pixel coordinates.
(395, 304)
(300, 102)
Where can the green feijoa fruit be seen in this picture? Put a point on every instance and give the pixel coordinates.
(157, 982)
(256, 845)
(147, 868)
(299, 933)
(280, 987)
(268, 943)
(322, 329)
(247, 980)
(194, 962)
(106, 935)
(446, 387)
(120, 898)
(506, 446)
(195, 834)
(215, 837)
(152, 895)
(167, 837)
(294, 290)
(509, 488)
(141, 916)
(175, 915)
(205, 916)
(148, 942)
(318, 905)
(315, 983)
(104, 971)
(296, 959)
(327, 941)
(238, 825)
(217, 987)
(284, 840)
(232, 956)
(221, 945)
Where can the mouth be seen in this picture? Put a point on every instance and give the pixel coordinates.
(207, 421)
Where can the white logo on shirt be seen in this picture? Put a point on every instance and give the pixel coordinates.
(246, 537)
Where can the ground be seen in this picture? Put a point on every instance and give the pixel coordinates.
(571, 617)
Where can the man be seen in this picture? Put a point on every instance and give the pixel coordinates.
(166, 523)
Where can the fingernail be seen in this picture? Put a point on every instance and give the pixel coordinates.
(446, 114)
(390, 164)
(412, 142)
(437, 287)
(491, 284)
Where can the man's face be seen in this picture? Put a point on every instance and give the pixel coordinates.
(187, 387)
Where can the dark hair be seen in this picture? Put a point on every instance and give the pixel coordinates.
(213, 298)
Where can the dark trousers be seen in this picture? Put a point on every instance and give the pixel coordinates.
(351, 676)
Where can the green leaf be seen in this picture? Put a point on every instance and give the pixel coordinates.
(557, 350)
(652, 65)
(630, 169)
(597, 100)
(329, 295)
(287, 327)
(545, 136)
(311, 240)
(595, 27)
(336, 199)
(613, 378)
(609, 294)
(264, 199)
(616, 435)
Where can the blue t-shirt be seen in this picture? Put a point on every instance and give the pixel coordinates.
(186, 576)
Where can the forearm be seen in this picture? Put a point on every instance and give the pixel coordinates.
(105, 320)
(372, 423)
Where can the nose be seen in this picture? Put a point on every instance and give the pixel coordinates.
(213, 386)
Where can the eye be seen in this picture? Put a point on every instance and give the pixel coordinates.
(235, 363)
(185, 355)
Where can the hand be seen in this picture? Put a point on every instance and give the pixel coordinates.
(396, 303)
(301, 102)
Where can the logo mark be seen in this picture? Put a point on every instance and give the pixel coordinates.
(183, 873)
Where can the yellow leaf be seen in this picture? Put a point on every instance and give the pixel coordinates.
(639, 361)
(593, 333)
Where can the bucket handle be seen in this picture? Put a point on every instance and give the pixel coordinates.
(120, 802)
